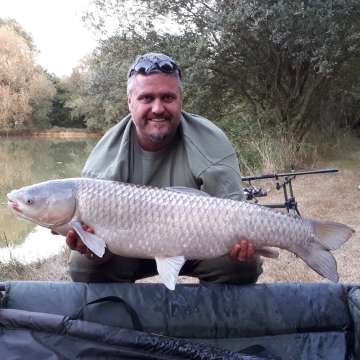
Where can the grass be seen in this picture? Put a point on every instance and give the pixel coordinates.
(331, 196)
(51, 269)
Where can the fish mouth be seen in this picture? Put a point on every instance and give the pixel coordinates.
(13, 204)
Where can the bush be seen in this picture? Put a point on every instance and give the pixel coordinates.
(264, 149)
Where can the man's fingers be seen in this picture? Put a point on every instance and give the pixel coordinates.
(71, 238)
(243, 251)
(235, 251)
(88, 228)
(242, 256)
(74, 241)
(250, 253)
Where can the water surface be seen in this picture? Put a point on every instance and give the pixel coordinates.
(26, 161)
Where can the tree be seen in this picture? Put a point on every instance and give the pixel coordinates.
(25, 91)
(254, 56)
(16, 71)
(41, 93)
(81, 104)
(60, 114)
(16, 27)
(341, 108)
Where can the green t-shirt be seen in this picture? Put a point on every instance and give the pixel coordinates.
(200, 146)
(168, 167)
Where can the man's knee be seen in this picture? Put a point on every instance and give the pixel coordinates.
(117, 269)
(225, 271)
(82, 270)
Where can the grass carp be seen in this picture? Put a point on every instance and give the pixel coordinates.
(172, 225)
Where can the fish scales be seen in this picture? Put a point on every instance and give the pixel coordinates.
(174, 224)
(157, 220)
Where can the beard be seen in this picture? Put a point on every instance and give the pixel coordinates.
(157, 137)
(154, 136)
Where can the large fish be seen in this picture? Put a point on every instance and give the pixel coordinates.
(174, 224)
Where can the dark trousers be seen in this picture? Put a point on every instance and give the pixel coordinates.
(122, 269)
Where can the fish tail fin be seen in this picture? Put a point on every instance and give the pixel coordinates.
(331, 234)
(328, 235)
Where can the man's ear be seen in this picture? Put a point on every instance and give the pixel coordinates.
(129, 102)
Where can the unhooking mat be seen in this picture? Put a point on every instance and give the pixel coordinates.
(287, 321)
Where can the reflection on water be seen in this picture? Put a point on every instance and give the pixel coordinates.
(38, 244)
(26, 161)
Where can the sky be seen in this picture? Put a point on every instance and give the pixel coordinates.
(56, 28)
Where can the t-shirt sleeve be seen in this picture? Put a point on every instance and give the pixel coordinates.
(223, 179)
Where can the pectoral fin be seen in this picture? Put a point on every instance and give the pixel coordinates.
(95, 243)
(169, 268)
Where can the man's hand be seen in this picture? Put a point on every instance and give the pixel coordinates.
(243, 251)
(74, 242)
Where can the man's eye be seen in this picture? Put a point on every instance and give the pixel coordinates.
(169, 98)
(146, 98)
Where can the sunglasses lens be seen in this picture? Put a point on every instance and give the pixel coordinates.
(167, 66)
(143, 66)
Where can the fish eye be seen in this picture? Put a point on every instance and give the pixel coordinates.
(29, 201)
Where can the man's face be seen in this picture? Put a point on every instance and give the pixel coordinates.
(155, 105)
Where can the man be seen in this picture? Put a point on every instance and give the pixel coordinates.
(158, 144)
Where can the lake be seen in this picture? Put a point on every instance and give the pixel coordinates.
(29, 160)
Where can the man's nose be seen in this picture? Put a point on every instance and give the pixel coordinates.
(157, 106)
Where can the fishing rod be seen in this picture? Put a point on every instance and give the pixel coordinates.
(276, 176)
(252, 193)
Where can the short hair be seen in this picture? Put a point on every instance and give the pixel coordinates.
(153, 57)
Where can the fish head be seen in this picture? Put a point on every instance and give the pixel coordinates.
(48, 204)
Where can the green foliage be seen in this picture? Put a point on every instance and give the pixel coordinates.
(42, 92)
(275, 55)
(60, 114)
(341, 108)
(40, 108)
(264, 149)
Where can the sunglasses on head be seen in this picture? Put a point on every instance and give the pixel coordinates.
(145, 67)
